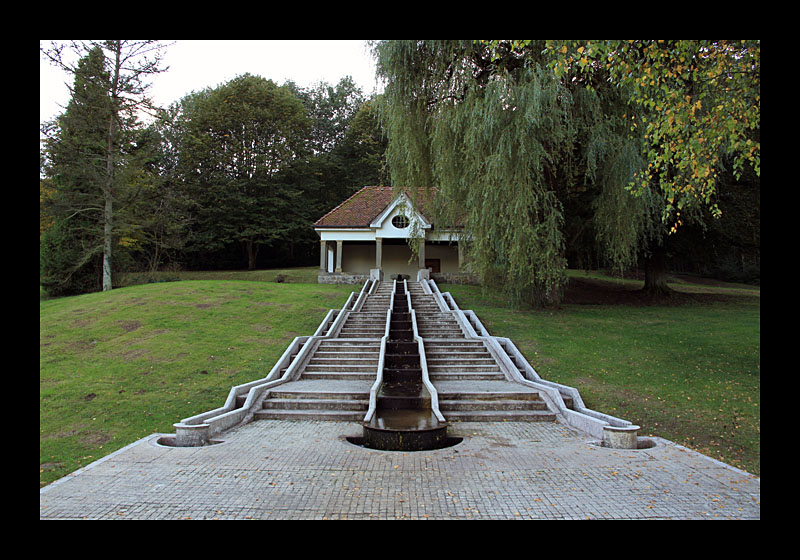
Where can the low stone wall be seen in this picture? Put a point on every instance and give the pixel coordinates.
(439, 277)
(341, 278)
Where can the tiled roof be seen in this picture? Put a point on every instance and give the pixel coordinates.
(365, 205)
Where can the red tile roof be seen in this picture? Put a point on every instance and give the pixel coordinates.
(365, 205)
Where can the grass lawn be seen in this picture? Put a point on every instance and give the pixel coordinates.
(115, 367)
(687, 370)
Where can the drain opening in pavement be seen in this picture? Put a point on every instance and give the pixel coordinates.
(446, 442)
(169, 441)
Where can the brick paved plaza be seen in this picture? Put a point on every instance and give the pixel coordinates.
(278, 469)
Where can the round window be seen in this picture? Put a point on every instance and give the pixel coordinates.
(400, 221)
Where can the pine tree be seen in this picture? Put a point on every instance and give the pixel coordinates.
(108, 95)
(71, 248)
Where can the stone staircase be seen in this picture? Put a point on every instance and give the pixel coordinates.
(336, 381)
(340, 360)
(472, 387)
(431, 321)
(470, 383)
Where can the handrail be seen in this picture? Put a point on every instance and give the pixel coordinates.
(373, 391)
(423, 361)
(363, 295)
(338, 322)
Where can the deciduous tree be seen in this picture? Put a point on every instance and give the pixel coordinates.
(235, 139)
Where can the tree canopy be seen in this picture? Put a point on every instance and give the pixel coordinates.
(700, 107)
(235, 138)
(533, 143)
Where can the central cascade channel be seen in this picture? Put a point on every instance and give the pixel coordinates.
(403, 419)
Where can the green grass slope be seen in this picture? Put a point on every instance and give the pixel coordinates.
(117, 366)
(687, 369)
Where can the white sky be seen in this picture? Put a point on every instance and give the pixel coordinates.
(195, 65)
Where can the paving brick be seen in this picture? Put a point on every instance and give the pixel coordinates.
(273, 469)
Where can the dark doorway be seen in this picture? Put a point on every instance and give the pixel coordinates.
(433, 264)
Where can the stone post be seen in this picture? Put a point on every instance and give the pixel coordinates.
(323, 254)
(190, 435)
(378, 252)
(338, 256)
(621, 437)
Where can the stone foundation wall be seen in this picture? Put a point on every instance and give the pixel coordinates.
(341, 278)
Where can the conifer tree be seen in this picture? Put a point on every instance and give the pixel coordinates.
(108, 95)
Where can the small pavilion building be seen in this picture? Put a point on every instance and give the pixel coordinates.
(368, 235)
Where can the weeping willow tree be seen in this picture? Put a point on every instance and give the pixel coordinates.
(516, 152)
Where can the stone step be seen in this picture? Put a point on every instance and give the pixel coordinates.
(320, 414)
(490, 405)
(500, 416)
(333, 343)
(462, 370)
(344, 361)
(466, 376)
(450, 395)
(342, 375)
(452, 335)
(460, 344)
(449, 355)
(316, 404)
(448, 347)
(339, 366)
(336, 346)
(367, 313)
(279, 393)
(456, 362)
(347, 354)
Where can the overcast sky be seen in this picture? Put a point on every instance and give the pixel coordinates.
(195, 65)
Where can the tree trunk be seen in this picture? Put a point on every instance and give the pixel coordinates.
(655, 275)
(107, 242)
(252, 253)
(108, 214)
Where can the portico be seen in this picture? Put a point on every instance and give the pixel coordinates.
(368, 235)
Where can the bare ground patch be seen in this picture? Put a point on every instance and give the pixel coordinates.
(590, 291)
(129, 326)
(94, 438)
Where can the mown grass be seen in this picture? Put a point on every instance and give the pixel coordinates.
(686, 370)
(117, 366)
(299, 275)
